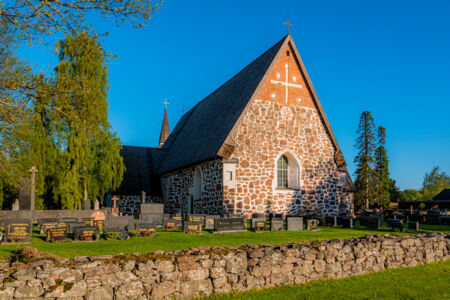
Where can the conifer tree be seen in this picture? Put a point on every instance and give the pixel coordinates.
(382, 180)
(91, 152)
(364, 160)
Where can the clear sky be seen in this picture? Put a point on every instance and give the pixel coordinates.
(389, 57)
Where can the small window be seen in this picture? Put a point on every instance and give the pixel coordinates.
(230, 175)
(282, 172)
(288, 53)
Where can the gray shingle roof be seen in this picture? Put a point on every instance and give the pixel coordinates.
(140, 175)
(443, 195)
(200, 133)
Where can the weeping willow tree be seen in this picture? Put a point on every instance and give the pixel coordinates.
(91, 161)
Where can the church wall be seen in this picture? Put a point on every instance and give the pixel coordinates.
(269, 130)
(178, 187)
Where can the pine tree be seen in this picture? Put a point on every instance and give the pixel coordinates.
(364, 160)
(382, 180)
(91, 152)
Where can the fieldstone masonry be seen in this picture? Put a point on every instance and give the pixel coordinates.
(203, 271)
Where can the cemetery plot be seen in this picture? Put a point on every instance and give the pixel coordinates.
(229, 225)
(56, 234)
(47, 225)
(209, 221)
(311, 224)
(145, 229)
(396, 225)
(171, 224)
(86, 233)
(98, 219)
(259, 224)
(295, 224)
(192, 227)
(276, 225)
(17, 231)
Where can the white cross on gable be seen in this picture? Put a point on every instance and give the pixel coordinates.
(286, 83)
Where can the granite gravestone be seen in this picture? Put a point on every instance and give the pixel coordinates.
(209, 221)
(56, 234)
(294, 223)
(25, 194)
(47, 225)
(87, 204)
(259, 224)
(236, 224)
(86, 233)
(145, 229)
(171, 224)
(15, 205)
(396, 225)
(192, 227)
(118, 223)
(276, 225)
(17, 230)
(196, 218)
(311, 224)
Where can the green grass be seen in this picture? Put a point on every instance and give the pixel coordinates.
(168, 241)
(430, 281)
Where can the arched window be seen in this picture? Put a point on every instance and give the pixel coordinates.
(282, 172)
(288, 172)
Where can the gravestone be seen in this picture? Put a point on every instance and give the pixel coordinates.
(15, 205)
(330, 221)
(192, 227)
(152, 208)
(346, 222)
(209, 221)
(98, 219)
(56, 234)
(235, 224)
(96, 205)
(311, 224)
(294, 223)
(171, 224)
(87, 221)
(373, 223)
(152, 218)
(396, 225)
(47, 225)
(196, 218)
(115, 209)
(17, 230)
(87, 204)
(143, 197)
(276, 225)
(86, 233)
(43, 220)
(413, 225)
(72, 225)
(118, 223)
(145, 229)
(257, 220)
(25, 194)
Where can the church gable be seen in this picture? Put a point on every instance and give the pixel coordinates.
(286, 83)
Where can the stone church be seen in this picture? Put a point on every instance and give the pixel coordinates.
(260, 143)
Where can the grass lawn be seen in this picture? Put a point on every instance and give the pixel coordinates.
(431, 281)
(168, 241)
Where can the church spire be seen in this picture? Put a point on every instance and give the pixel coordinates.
(165, 129)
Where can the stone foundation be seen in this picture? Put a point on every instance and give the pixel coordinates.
(204, 270)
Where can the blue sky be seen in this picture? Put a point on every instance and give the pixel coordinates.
(389, 57)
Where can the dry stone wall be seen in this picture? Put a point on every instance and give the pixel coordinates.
(203, 271)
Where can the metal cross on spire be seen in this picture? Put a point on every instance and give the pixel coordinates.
(288, 24)
(165, 103)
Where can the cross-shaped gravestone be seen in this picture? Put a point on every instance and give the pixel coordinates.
(286, 83)
(33, 172)
(114, 209)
